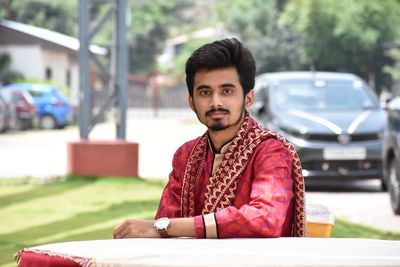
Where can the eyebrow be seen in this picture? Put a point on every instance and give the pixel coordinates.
(202, 87)
(228, 85)
(222, 85)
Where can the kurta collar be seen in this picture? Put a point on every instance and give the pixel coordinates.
(223, 149)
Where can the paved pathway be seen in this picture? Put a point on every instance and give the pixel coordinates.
(44, 154)
(361, 201)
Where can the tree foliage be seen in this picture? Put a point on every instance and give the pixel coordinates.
(184, 53)
(394, 70)
(6, 75)
(332, 35)
(275, 47)
(282, 34)
(57, 15)
(151, 21)
(344, 35)
(5, 61)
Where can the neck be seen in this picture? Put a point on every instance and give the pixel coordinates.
(219, 138)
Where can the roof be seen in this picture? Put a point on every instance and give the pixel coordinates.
(307, 75)
(51, 36)
(30, 86)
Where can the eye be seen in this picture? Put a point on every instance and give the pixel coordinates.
(227, 91)
(204, 92)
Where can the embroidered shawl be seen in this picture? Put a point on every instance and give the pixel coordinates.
(221, 190)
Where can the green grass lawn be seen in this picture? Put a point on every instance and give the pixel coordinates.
(89, 208)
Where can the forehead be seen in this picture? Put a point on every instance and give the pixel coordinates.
(216, 76)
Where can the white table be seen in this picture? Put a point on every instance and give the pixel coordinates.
(231, 252)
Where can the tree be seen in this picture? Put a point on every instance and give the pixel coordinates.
(345, 35)
(7, 76)
(275, 47)
(56, 15)
(394, 70)
(5, 61)
(151, 25)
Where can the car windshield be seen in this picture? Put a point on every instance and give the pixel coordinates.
(321, 95)
(59, 93)
(28, 97)
(6, 95)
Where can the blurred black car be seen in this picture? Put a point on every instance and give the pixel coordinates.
(391, 154)
(334, 120)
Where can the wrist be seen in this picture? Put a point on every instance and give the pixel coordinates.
(161, 226)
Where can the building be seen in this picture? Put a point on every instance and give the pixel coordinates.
(43, 54)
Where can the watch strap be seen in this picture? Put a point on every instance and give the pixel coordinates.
(163, 233)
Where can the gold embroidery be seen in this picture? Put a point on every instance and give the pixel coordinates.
(196, 158)
(220, 192)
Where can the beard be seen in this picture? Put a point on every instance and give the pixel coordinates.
(218, 124)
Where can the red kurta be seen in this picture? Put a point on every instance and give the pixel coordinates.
(264, 198)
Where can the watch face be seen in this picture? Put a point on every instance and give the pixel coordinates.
(162, 223)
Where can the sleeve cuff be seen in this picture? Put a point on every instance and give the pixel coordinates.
(211, 227)
(199, 225)
(206, 226)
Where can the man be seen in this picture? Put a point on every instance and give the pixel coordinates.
(237, 180)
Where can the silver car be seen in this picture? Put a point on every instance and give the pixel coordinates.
(333, 119)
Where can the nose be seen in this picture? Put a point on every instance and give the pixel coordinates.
(216, 101)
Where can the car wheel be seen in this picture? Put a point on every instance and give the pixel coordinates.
(2, 123)
(19, 125)
(47, 122)
(394, 186)
(383, 185)
(29, 124)
(25, 124)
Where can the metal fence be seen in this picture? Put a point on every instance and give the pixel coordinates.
(141, 95)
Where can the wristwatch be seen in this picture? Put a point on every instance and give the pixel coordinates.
(161, 226)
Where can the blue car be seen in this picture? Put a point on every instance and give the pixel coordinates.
(53, 109)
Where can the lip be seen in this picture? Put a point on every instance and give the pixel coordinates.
(217, 114)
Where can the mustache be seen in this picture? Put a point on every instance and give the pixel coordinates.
(216, 110)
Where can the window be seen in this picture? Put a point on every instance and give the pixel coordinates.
(68, 78)
(322, 95)
(35, 93)
(49, 73)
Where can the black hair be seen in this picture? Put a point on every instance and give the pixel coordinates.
(219, 54)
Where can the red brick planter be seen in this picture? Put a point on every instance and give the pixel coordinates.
(103, 158)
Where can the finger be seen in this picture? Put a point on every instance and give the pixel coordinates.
(116, 232)
(127, 233)
(118, 229)
(121, 233)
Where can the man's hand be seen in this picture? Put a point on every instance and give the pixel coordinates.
(133, 227)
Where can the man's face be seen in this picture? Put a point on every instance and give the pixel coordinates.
(218, 98)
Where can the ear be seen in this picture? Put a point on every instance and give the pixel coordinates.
(249, 99)
(191, 104)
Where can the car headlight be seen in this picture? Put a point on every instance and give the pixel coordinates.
(380, 134)
(296, 133)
